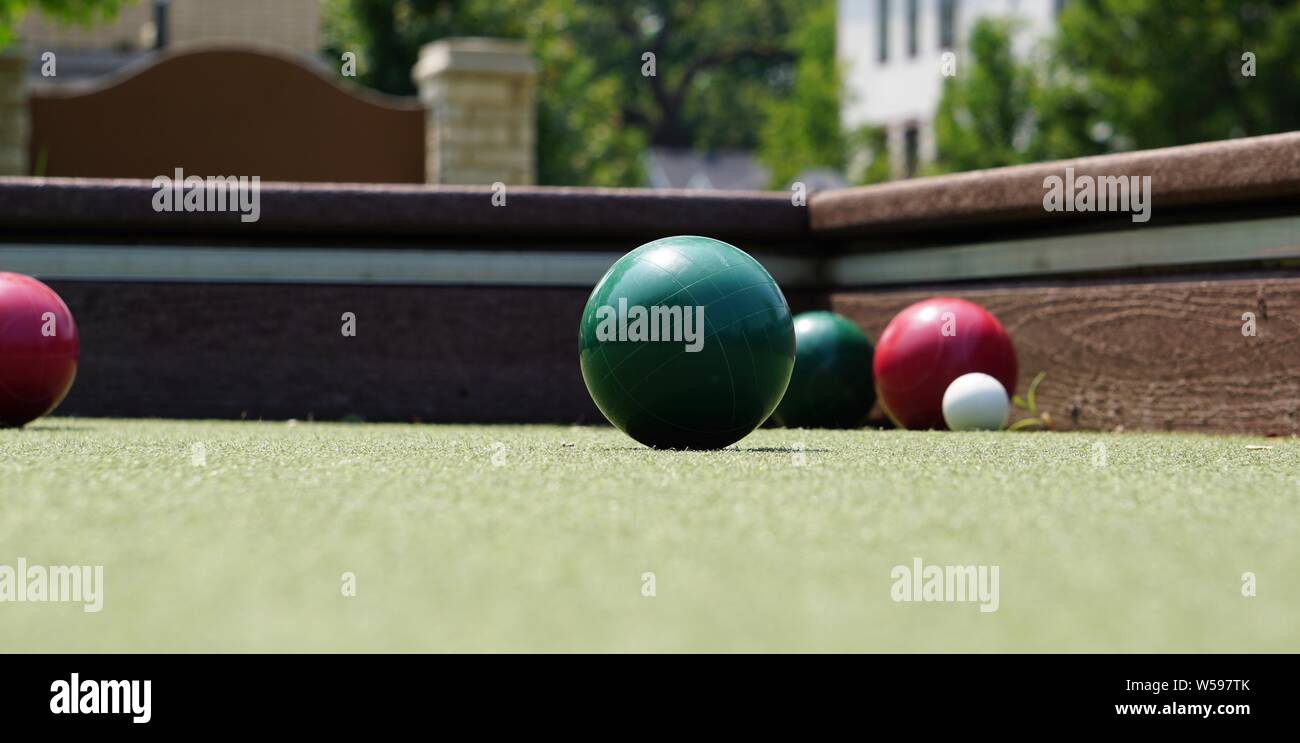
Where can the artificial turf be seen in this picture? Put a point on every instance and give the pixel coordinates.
(537, 538)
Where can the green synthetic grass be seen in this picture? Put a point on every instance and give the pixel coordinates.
(536, 538)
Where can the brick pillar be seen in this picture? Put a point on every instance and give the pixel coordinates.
(14, 117)
(481, 122)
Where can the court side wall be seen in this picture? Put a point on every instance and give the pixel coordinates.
(1189, 321)
(467, 311)
(463, 311)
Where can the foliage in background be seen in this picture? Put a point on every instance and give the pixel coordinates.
(985, 117)
(801, 129)
(80, 11)
(1122, 75)
(720, 65)
(1155, 73)
(868, 156)
(387, 35)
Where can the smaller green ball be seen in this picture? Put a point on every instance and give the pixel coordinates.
(831, 386)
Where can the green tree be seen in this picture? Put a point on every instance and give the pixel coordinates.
(386, 35)
(1121, 75)
(717, 64)
(802, 129)
(79, 11)
(985, 118)
(868, 156)
(1152, 73)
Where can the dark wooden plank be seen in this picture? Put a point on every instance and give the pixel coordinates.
(474, 354)
(1152, 356)
(1156, 355)
(299, 210)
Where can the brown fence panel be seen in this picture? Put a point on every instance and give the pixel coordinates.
(226, 112)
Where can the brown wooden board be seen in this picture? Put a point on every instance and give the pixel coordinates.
(446, 354)
(1149, 355)
(1154, 355)
(71, 206)
(1211, 175)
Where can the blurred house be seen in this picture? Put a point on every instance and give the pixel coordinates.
(891, 51)
(139, 28)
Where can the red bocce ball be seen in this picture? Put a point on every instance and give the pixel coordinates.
(928, 345)
(38, 349)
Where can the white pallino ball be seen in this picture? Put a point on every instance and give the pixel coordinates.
(975, 402)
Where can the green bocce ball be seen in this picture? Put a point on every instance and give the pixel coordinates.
(831, 386)
(686, 343)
